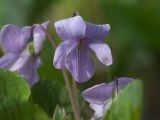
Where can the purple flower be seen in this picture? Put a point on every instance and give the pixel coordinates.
(100, 96)
(22, 48)
(80, 38)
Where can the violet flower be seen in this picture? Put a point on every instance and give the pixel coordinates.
(80, 38)
(22, 50)
(100, 96)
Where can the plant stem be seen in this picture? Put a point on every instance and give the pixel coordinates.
(109, 74)
(67, 83)
(76, 114)
(75, 92)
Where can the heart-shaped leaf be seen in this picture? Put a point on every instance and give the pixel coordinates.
(12, 109)
(45, 94)
(12, 85)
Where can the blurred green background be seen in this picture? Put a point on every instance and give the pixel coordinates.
(134, 39)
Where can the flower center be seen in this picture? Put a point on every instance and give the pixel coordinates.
(30, 47)
(81, 43)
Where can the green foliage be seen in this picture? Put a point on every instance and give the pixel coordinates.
(47, 59)
(45, 95)
(127, 105)
(60, 114)
(134, 41)
(12, 85)
(11, 109)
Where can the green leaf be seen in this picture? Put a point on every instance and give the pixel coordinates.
(127, 105)
(12, 85)
(60, 114)
(12, 109)
(45, 94)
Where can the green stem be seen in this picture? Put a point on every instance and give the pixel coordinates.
(67, 83)
(76, 114)
(109, 74)
(75, 92)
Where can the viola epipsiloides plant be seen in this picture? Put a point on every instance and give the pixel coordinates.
(22, 48)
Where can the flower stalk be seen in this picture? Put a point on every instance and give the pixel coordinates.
(73, 100)
(68, 87)
(75, 92)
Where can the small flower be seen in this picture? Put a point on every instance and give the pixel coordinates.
(100, 96)
(22, 48)
(80, 38)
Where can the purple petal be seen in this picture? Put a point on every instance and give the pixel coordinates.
(98, 94)
(29, 70)
(96, 31)
(99, 111)
(27, 31)
(123, 81)
(12, 39)
(39, 37)
(45, 24)
(102, 52)
(24, 56)
(71, 28)
(61, 53)
(8, 60)
(80, 64)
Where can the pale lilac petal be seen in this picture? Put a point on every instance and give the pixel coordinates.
(61, 53)
(99, 111)
(29, 70)
(122, 82)
(8, 60)
(97, 31)
(102, 52)
(27, 32)
(38, 40)
(12, 39)
(71, 28)
(45, 24)
(24, 56)
(98, 94)
(39, 37)
(80, 64)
